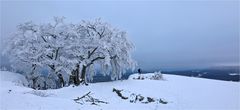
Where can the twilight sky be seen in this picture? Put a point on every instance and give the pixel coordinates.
(168, 35)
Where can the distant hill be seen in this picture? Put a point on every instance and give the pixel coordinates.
(227, 73)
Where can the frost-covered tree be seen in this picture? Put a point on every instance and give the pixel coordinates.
(70, 50)
(105, 46)
(24, 51)
(37, 47)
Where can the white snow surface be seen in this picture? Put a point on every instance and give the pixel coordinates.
(181, 93)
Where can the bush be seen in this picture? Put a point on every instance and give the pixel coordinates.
(157, 76)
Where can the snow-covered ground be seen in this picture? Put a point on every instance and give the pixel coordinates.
(181, 93)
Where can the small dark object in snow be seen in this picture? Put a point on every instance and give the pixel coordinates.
(162, 101)
(9, 91)
(150, 99)
(138, 97)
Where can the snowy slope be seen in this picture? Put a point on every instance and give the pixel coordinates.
(182, 93)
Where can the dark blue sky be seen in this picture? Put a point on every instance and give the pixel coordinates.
(167, 34)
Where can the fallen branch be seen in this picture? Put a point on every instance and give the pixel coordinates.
(78, 98)
(134, 98)
(88, 98)
(119, 93)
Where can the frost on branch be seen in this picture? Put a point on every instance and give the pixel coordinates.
(73, 51)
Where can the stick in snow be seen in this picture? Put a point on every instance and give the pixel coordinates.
(88, 98)
(119, 93)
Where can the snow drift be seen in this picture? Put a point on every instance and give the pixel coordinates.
(181, 93)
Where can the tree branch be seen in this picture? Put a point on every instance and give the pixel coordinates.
(88, 98)
(119, 93)
(91, 53)
(57, 51)
(82, 96)
(53, 35)
(52, 67)
(95, 30)
(44, 39)
(113, 57)
(49, 56)
(93, 60)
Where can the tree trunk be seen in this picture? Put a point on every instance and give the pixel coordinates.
(76, 76)
(61, 80)
(83, 75)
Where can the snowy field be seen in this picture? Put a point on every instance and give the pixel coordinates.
(181, 93)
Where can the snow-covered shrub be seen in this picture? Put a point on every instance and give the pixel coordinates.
(148, 76)
(157, 76)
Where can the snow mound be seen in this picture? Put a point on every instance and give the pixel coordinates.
(16, 78)
(40, 93)
(181, 93)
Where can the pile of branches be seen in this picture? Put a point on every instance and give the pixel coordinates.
(89, 99)
(134, 98)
